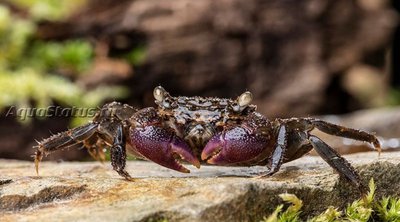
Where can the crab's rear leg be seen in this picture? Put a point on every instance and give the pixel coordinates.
(341, 165)
(63, 140)
(336, 130)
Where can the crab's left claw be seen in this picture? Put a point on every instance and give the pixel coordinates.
(245, 144)
(163, 147)
(237, 145)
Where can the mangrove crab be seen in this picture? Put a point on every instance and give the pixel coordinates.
(212, 130)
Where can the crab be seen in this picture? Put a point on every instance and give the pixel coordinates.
(198, 130)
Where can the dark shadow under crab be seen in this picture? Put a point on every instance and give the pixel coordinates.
(213, 130)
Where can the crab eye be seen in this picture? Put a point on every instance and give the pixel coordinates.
(166, 103)
(159, 93)
(245, 99)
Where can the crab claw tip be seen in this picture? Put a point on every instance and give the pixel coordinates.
(211, 151)
(197, 165)
(185, 154)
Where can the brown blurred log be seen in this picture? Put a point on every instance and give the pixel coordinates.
(285, 52)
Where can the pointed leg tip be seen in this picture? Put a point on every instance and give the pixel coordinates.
(126, 176)
(130, 179)
(37, 167)
(38, 158)
(123, 173)
(378, 147)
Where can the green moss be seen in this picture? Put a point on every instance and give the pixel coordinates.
(30, 69)
(362, 210)
(388, 209)
(49, 9)
(75, 56)
(136, 56)
(14, 35)
(291, 214)
(331, 214)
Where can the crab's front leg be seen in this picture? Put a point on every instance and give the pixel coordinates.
(155, 141)
(252, 142)
(63, 140)
(113, 133)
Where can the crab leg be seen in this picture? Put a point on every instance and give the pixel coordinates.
(63, 140)
(114, 134)
(337, 162)
(342, 131)
(279, 151)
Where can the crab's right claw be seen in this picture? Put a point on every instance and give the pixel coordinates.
(162, 146)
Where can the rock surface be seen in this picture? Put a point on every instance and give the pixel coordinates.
(90, 191)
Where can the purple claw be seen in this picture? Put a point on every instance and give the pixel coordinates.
(163, 147)
(237, 145)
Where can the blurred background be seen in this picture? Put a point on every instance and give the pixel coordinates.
(327, 58)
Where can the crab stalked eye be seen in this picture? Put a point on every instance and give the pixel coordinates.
(242, 102)
(159, 93)
(245, 99)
